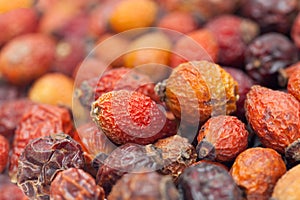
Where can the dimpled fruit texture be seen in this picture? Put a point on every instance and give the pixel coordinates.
(274, 116)
(127, 116)
(200, 89)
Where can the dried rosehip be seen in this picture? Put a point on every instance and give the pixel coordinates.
(293, 86)
(128, 116)
(75, 183)
(10, 191)
(42, 159)
(272, 15)
(244, 83)
(229, 30)
(38, 121)
(295, 32)
(288, 186)
(26, 58)
(11, 114)
(177, 154)
(222, 138)
(266, 55)
(256, 170)
(286, 73)
(274, 116)
(148, 186)
(4, 150)
(199, 89)
(207, 181)
(128, 158)
(197, 45)
(123, 18)
(17, 22)
(10, 92)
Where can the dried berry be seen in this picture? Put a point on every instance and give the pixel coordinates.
(26, 58)
(75, 183)
(179, 21)
(38, 121)
(222, 138)
(10, 92)
(229, 30)
(295, 32)
(53, 89)
(200, 89)
(177, 154)
(10, 191)
(11, 114)
(123, 18)
(266, 55)
(128, 158)
(285, 73)
(293, 86)
(4, 150)
(256, 170)
(148, 186)
(274, 116)
(127, 116)
(288, 186)
(17, 22)
(207, 181)
(197, 45)
(272, 15)
(42, 159)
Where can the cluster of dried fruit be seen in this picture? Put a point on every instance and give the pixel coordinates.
(178, 99)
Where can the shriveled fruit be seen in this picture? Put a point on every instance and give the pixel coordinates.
(288, 186)
(42, 159)
(200, 89)
(54, 89)
(274, 116)
(75, 183)
(257, 170)
(38, 121)
(266, 55)
(123, 18)
(207, 181)
(147, 185)
(222, 138)
(293, 85)
(128, 158)
(128, 116)
(286, 73)
(26, 58)
(177, 154)
(200, 44)
(4, 151)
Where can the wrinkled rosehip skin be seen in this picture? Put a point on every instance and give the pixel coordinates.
(227, 134)
(40, 120)
(42, 159)
(75, 183)
(272, 15)
(128, 116)
(141, 185)
(4, 151)
(266, 55)
(274, 116)
(293, 86)
(207, 181)
(256, 170)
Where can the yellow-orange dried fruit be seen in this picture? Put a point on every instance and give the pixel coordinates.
(130, 14)
(274, 116)
(198, 90)
(288, 186)
(257, 170)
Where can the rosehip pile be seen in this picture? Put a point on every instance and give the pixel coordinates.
(150, 99)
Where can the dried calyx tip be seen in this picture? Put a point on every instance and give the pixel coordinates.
(206, 150)
(160, 89)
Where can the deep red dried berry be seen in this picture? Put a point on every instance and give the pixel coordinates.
(148, 186)
(207, 181)
(272, 15)
(75, 183)
(266, 55)
(10, 92)
(274, 116)
(42, 159)
(4, 151)
(229, 30)
(128, 116)
(38, 121)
